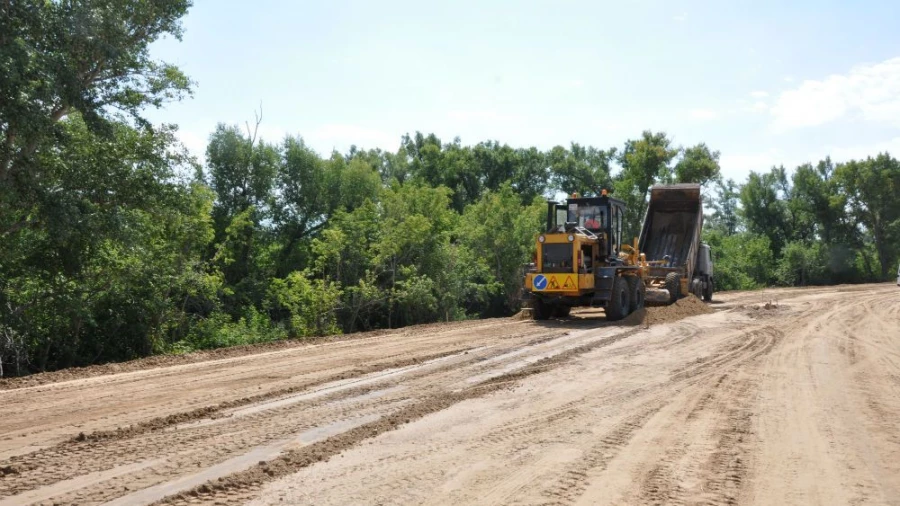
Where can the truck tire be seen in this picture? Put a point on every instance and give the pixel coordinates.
(673, 285)
(561, 311)
(618, 306)
(708, 291)
(637, 291)
(540, 310)
(697, 288)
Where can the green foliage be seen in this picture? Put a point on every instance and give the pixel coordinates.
(801, 264)
(698, 164)
(581, 170)
(725, 207)
(309, 305)
(503, 230)
(219, 331)
(91, 57)
(242, 172)
(742, 261)
(764, 201)
(871, 187)
(113, 264)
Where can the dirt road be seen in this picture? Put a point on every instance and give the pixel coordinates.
(795, 404)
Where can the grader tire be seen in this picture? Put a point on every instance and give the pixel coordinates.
(562, 311)
(637, 292)
(619, 302)
(673, 285)
(541, 310)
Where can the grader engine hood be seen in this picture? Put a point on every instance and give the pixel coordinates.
(563, 265)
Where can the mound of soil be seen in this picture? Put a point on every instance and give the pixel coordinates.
(688, 306)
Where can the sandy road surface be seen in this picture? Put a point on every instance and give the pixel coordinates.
(797, 404)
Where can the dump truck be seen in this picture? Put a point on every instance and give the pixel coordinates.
(677, 262)
(583, 259)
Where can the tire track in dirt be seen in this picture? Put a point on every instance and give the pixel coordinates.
(94, 456)
(161, 361)
(726, 392)
(294, 460)
(573, 482)
(44, 415)
(711, 386)
(70, 449)
(660, 485)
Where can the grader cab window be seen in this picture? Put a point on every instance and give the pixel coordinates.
(590, 217)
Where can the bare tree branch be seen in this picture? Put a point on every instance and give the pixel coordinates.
(258, 118)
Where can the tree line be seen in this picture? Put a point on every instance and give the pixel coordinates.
(115, 243)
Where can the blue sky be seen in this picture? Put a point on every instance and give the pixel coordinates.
(762, 82)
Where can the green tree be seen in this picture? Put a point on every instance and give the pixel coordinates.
(725, 205)
(870, 187)
(644, 162)
(764, 207)
(503, 231)
(743, 261)
(581, 170)
(116, 269)
(698, 164)
(242, 172)
(311, 304)
(91, 57)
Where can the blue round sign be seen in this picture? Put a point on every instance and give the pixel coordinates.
(540, 282)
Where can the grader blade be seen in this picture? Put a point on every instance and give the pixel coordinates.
(657, 297)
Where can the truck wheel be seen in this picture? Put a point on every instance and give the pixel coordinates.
(636, 290)
(708, 291)
(673, 285)
(541, 310)
(561, 311)
(618, 306)
(697, 288)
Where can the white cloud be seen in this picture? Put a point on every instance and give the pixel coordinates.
(788, 79)
(578, 83)
(739, 164)
(870, 92)
(194, 142)
(681, 17)
(861, 151)
(704, 114)
(759, 94)
(271, 134)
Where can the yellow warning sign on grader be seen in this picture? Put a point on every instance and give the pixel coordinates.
(549, 282)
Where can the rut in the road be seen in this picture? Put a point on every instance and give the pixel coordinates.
(292, 461)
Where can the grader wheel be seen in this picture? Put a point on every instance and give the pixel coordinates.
(620, 302)
(673, 285)
(637, 292)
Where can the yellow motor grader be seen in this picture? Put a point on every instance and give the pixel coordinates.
(581, 258)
